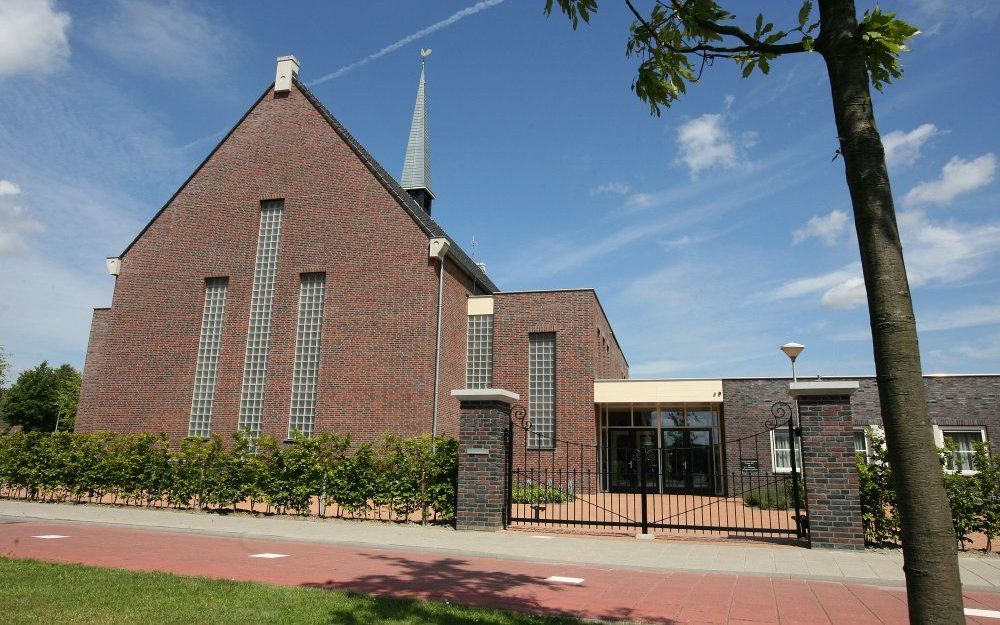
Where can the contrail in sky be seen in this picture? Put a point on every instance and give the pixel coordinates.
(448, 21)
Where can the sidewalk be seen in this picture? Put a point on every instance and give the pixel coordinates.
(882, 568)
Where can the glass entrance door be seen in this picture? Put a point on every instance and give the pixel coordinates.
(627, 472)
(687, 461)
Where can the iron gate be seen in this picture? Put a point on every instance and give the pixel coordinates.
(677, 483)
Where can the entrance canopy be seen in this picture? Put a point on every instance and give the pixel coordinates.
(657, 391)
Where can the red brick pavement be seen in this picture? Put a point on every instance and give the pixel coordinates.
(612, 594)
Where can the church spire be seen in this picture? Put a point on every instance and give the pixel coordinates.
(416, 179)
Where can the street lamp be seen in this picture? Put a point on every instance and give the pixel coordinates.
(792, 350)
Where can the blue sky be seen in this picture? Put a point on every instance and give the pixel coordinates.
(712, 234)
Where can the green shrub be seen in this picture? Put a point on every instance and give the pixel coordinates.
(539, 494)
(770, 497)
(402, 476)
(988, 484)
(879, 512)
(974, 499)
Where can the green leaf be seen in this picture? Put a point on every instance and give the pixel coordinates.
(884, 40)
(804, 12)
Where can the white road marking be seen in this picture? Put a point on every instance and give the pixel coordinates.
(50, 536)
(985, 613)
(542, 537)
(565, 580)
(269, 555)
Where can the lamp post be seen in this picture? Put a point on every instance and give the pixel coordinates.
(792, 350)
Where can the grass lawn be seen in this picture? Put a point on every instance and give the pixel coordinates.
(41, 592)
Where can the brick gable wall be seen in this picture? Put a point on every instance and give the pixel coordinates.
(377, 357)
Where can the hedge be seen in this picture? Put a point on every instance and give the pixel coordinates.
(974, 499)
(394, 478)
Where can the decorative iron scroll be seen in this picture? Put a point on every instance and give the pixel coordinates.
(781, 412)
(520, 416)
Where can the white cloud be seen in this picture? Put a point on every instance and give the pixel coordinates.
(946, 251)
(171, 39)
(826, 228)
(14, 224)
(968, 317)
(848, 294)
(613, 188)
(936, 253)
(32, 37)
(957, 176)
(903, 148)
(804, 286)
(9, 188)
(706, 142)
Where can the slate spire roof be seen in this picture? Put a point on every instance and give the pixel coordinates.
(417, 164)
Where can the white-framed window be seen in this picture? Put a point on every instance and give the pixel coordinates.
(861, 443)
(206, 368)
(965, 438)
(781, 457)
(542, 389)
(479, 352)
(259, 332)
(308, 336)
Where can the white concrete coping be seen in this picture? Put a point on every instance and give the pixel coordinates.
(822, 387)
(485, 394)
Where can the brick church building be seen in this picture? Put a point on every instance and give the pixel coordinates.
(292, 283)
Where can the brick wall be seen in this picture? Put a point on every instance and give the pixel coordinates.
(377, 355)
(482, 477)
(92, 370)
(952, 400)
(831, 476)
(582, 354)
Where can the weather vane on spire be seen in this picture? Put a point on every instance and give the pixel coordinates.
(424, 53)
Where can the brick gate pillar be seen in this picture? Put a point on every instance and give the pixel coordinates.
(482, 457)
(828, 463)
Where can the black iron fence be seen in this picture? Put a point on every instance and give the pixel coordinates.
(682, 483)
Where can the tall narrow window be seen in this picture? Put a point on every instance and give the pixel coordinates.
(302, 415)
(479, 355)
(207, 365)
(542, 389)
(259, 332)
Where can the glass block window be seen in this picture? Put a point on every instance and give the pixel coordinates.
(479, 355)
(207, 365)
(542, 389)
(781, 455)
(302, 414)
(259, 332)
(963, 459)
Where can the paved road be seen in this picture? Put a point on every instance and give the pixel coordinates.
(740, 557)
(588, 591)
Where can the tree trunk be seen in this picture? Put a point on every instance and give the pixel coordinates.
(934, 592)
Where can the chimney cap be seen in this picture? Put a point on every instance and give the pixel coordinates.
(288, 67)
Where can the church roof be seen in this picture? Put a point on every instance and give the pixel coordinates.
(417, 164)
(419, 215)
(423, 220)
